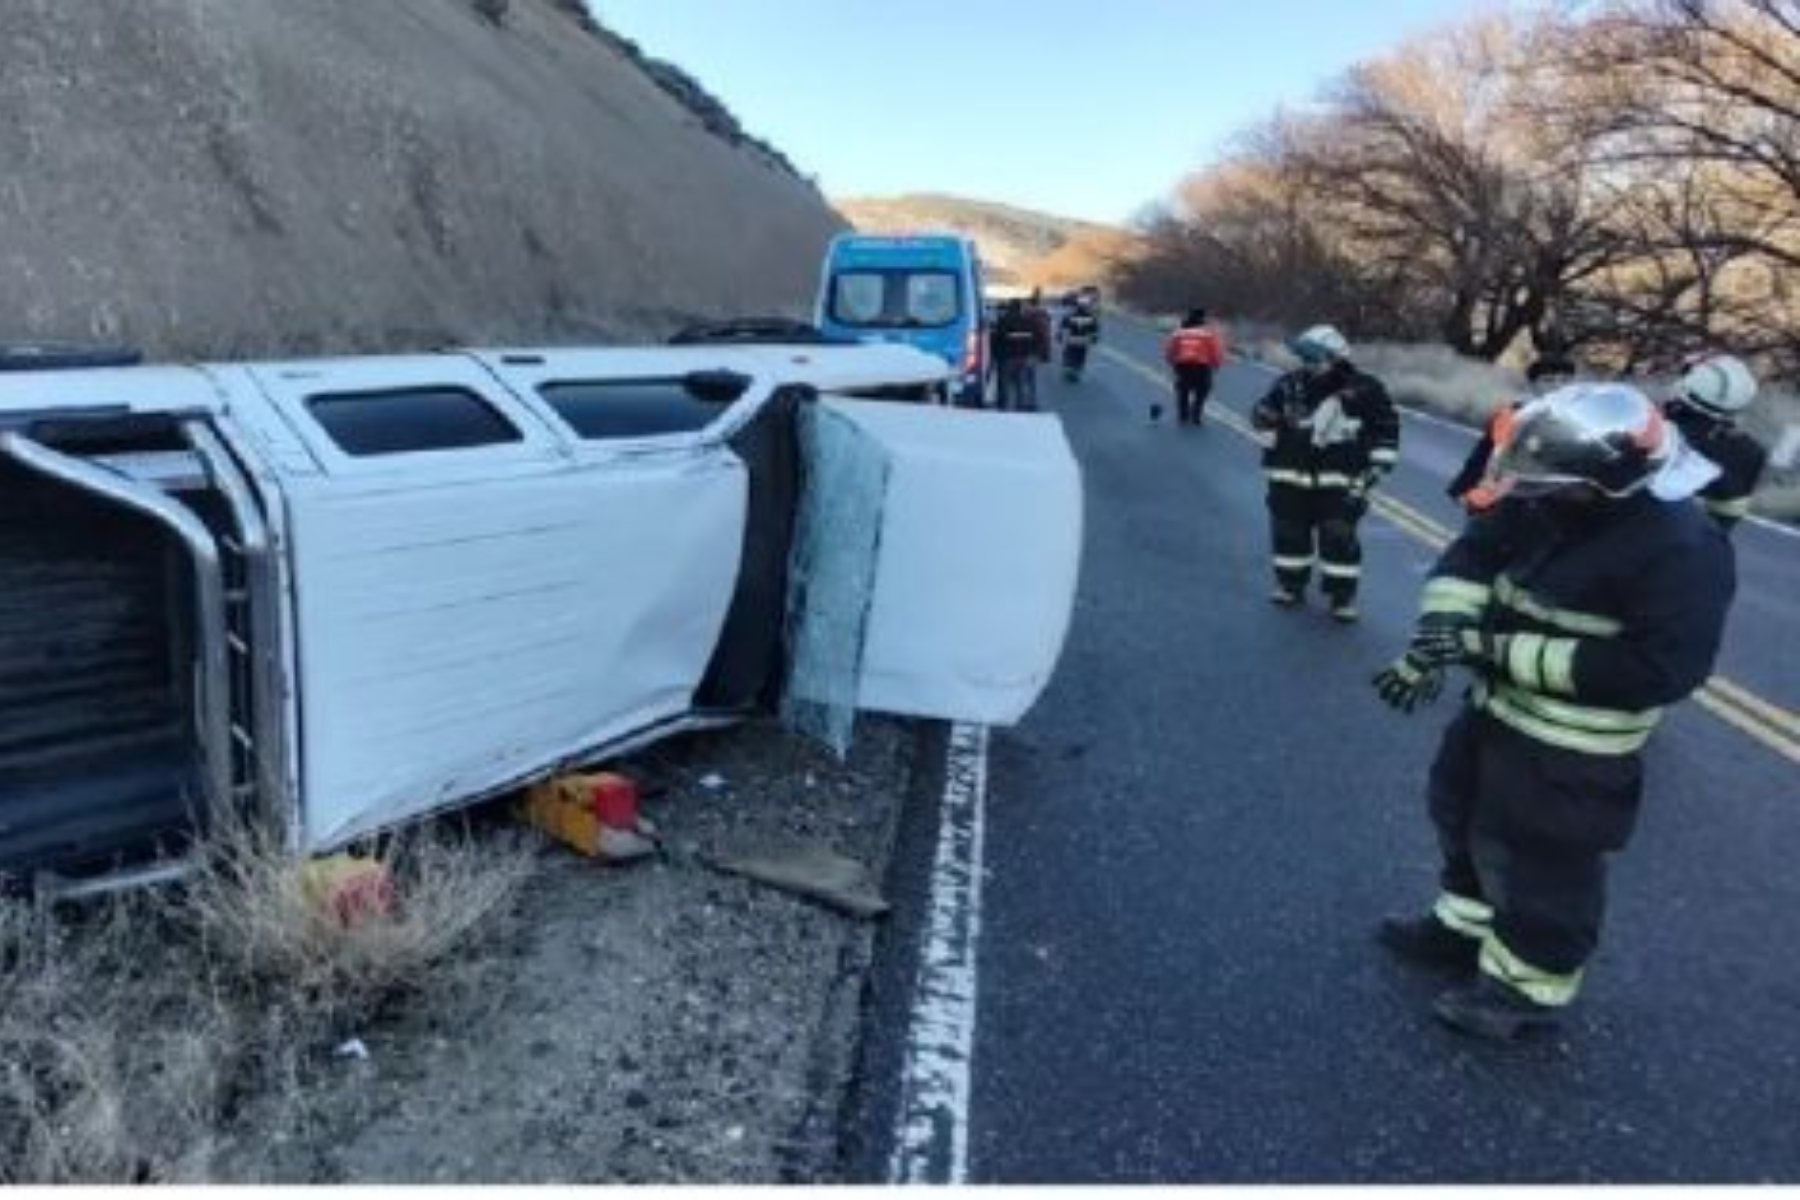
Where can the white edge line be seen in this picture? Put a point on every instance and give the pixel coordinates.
(931, 1138)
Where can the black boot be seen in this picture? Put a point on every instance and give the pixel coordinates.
(1428, 942)
(1489, 1009)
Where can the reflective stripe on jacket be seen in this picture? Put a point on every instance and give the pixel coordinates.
(1331, 430)
(1603, 617)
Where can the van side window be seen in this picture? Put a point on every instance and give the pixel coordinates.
(599, 410)
(407, 420)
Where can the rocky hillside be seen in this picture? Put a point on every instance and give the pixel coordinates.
(1021, 246)
(240, 177)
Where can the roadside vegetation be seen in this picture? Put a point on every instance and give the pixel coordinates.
(134, 1030)
(1618, 181)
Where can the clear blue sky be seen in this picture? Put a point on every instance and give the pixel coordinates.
(1088, 108)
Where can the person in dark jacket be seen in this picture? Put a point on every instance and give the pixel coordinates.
(1013, 343)
(1712, 394)
(1466, 488)
(1589, 599)
(1079, 330)
(1330, 433)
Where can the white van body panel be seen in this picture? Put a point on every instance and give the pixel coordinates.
(437, 626)
(979, 558)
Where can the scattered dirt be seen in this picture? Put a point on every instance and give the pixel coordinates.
(648, 1023)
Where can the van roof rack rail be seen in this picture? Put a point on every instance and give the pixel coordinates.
(65, 356)
(781, 331)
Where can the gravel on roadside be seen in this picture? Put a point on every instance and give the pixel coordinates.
(652, 1022)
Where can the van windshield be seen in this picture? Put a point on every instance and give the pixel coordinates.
(895, 299)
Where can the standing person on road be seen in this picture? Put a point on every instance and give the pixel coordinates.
(1471, 486)
(1013, 342)
(1194, 351)
(1080, 330)
(1045, 329)
(1330, 434)
(1592, 596)
(1709, 399)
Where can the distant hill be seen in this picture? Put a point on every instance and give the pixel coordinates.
(1019, 245)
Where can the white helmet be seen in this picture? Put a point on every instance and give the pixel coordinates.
(1320, 344)
(1719, 386)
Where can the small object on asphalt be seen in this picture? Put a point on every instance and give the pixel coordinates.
(354, 1048)
(351, 891)
(809, 869)
(712, 781)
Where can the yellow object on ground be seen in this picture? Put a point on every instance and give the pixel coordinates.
(565, 808)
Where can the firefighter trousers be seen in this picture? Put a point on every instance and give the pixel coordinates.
(1315, 524)
(1193, 384)
(1524, 829)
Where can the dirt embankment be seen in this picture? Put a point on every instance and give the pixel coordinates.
(242, 177)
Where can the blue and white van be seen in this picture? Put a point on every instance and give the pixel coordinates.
(923, 290)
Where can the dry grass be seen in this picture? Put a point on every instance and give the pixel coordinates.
(130, 1032)
(116, 1048)
(252, 914)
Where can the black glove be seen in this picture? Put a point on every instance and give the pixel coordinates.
(1454, 643)
(1356, 500)
(1408, 682)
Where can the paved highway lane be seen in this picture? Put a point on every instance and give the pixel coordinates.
(1762, 647)
(1189, 840)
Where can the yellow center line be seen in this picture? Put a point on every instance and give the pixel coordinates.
(1766, 722)
(1788, 723)
(1742, 720)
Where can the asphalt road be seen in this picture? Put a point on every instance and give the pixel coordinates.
(1189, 841)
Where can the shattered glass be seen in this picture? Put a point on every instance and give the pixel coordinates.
(837, 538)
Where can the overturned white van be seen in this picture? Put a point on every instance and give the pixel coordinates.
(344, 593)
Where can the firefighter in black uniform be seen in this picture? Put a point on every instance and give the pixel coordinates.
(1330, 434)
(1591, 596)
(1711, 396)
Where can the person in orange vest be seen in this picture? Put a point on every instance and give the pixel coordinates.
(1194, 351)
(1471, 487)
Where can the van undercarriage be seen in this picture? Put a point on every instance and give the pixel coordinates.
(128, 710)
